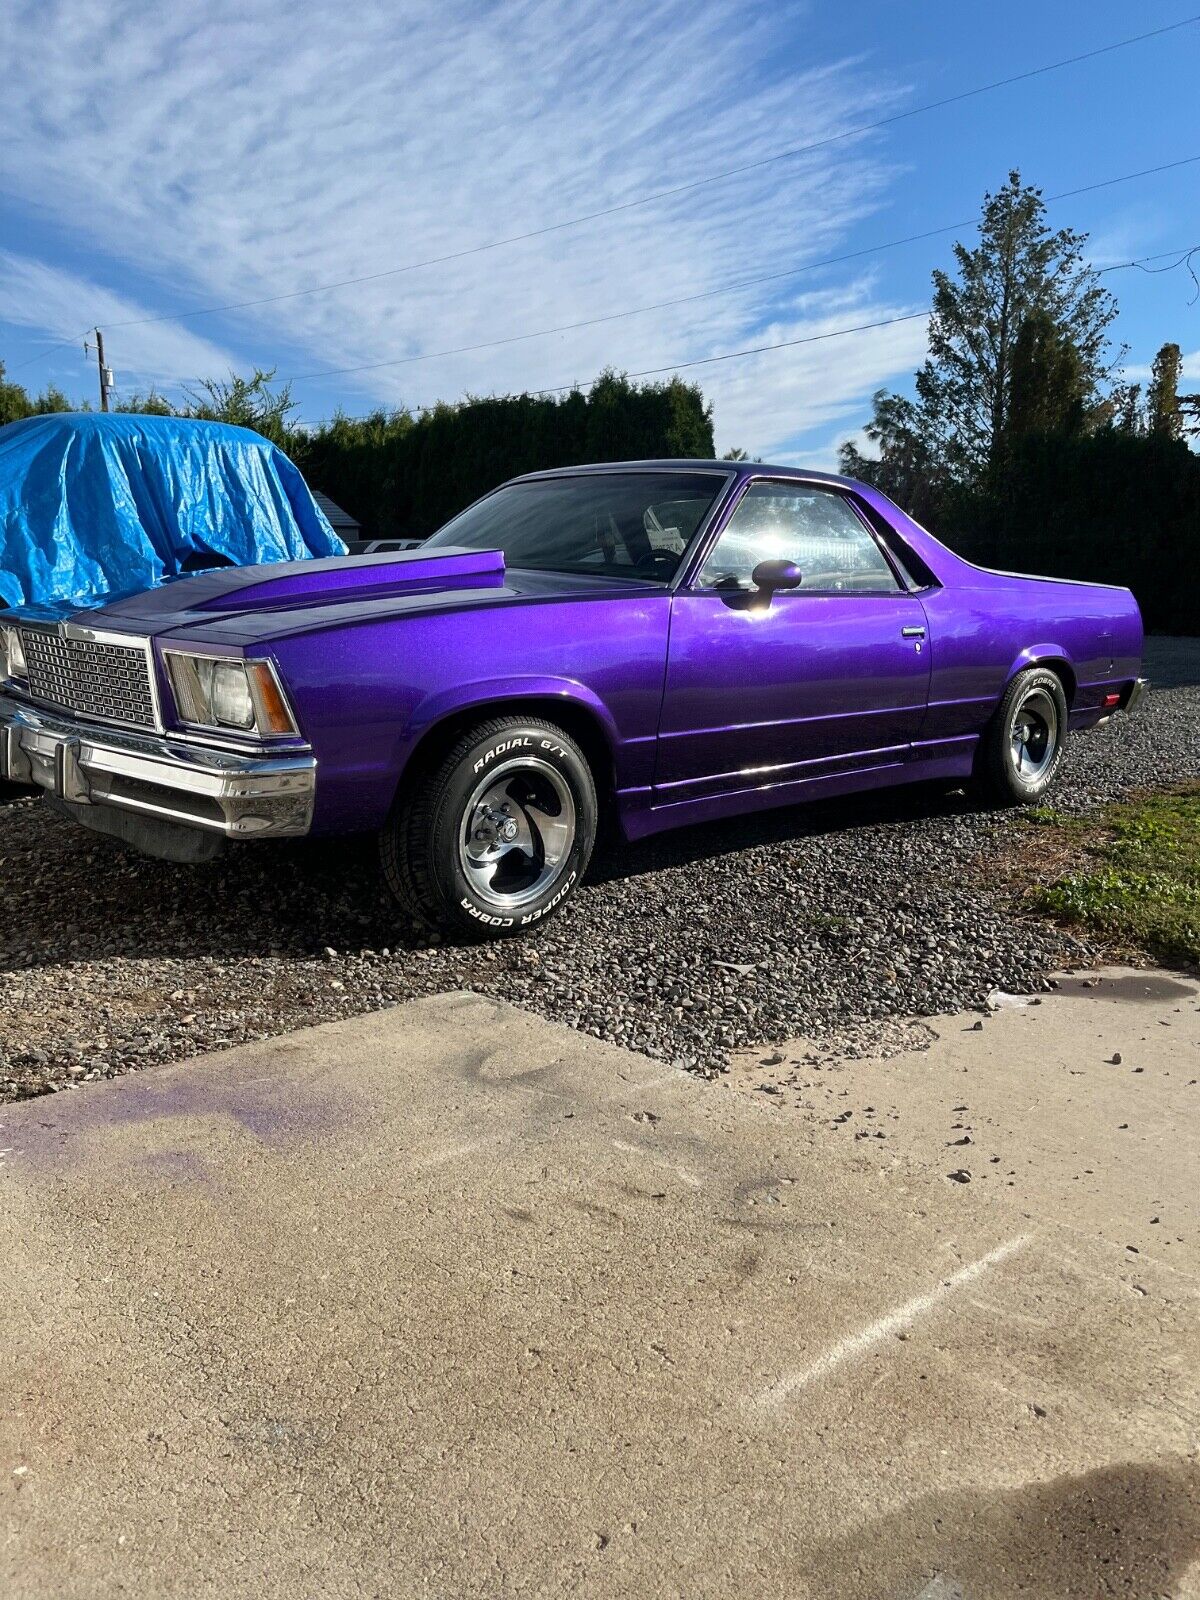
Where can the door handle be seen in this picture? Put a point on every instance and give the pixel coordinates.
(912, 633)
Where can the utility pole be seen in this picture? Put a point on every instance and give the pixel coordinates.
(106, 377)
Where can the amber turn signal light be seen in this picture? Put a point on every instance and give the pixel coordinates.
(272, 712)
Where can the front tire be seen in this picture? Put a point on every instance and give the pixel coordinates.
(497, 835)
(1023, 747)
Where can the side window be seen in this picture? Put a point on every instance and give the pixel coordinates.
(815, 528)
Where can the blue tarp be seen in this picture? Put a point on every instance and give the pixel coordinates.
(93, 505)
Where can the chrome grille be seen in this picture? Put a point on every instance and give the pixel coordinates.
(94, 679)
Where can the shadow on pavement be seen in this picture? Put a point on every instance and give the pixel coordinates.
(1129, 1529)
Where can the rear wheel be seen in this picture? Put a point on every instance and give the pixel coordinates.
(495, 837)
(1023, 746)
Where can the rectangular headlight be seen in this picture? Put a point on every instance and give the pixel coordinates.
(228, 693)
(226, 690)
(12, 655)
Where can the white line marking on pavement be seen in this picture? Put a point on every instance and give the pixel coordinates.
(449, 1152)
(854, 1344)
(688, 1177)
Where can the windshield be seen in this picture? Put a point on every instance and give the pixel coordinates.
(614, 524)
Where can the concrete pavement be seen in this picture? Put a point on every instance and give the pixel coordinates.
(1081, 1107)
(450, 1301)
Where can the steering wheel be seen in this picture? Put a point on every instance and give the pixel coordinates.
(657, 563)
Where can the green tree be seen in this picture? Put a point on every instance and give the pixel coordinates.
(908, 466)
(1018, 269)
(1163, 417)
(151, 404)
(1123, 409)
(1047, 388)
(16, 402)
(404, 475)
(246, 402)
(955, 437)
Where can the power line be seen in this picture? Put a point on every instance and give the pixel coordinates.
(752, 350)
(1184, 259)
(782, 344)
(700, 361)
(677, 189)
(708, 294)
(61, 345)
(1182, 256)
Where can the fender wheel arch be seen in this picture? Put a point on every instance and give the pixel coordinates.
(575, 720)
(1061, 668)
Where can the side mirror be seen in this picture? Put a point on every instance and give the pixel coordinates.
(772, 575)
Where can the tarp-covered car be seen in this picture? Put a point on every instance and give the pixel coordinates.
(93, 506)
(96, 506)
(665, 642)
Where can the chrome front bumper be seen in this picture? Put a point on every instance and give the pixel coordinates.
(240, 795)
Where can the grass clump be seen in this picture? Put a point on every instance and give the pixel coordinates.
(1138, 883)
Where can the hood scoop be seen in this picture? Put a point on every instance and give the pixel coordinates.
(298, 583)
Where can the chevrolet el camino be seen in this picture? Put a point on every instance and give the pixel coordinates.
(652, 644)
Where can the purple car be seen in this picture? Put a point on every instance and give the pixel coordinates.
(651, 643)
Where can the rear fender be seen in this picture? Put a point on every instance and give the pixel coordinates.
(1053, 656)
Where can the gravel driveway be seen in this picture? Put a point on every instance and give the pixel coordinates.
(835, 922)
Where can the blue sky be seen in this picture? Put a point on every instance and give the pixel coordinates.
(156, 160)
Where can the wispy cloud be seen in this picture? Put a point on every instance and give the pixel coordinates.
(36, 295)
(768, 403)
(825, 458)
(245, 149)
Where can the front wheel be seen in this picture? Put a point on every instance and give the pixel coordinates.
(497, 835)
(1023, 746)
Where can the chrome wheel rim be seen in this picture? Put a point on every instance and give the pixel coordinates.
(1033, 735)
(517, 833)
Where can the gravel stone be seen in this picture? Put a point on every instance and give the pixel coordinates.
(840, 923)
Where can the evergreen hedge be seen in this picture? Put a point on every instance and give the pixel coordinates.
(403, 476)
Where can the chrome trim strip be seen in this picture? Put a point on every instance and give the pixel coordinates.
(765, 776)
(792, 722)
(804, 781)
(225, 742)
(76, 630)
